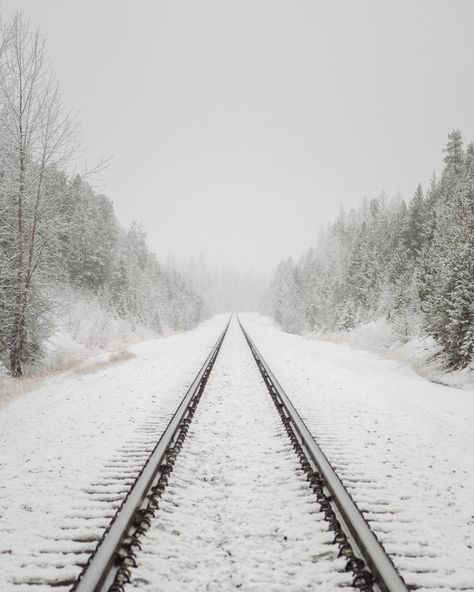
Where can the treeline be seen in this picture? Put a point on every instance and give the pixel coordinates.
(97, 255)
(55, 230)
(410, 263)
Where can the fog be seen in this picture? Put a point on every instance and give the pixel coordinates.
(237, 129)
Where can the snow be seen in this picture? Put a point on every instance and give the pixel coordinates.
(238, 512)
(401, 444)
(423, 354)
(73, 444)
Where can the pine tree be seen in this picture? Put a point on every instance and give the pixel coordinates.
(412, 265)
(415, 235)
(454, 158)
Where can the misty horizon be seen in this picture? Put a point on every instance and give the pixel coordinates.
(237, 130)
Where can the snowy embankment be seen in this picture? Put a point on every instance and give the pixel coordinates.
(69, 447)
(423, 354)
(402, 445)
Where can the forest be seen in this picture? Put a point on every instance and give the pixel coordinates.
(61, 244)
(58, 237)
(410, 263)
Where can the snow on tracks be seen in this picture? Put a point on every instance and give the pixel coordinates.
(401, 445)
(238, 511)
(71, 448)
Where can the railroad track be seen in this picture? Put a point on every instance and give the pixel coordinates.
(111, 567)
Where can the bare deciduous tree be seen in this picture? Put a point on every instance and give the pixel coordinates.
(38, 139)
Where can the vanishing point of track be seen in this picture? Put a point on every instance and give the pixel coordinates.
(109, 567)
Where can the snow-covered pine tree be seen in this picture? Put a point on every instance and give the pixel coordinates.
(412, 265)
(415, 235)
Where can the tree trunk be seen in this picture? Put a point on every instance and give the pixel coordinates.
(16, 349)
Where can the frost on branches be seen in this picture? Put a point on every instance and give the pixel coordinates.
(54, 230)
(410, 263)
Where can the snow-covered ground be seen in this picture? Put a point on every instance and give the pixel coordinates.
(402, 445)
(238, 512)
(69, 448)
(423, 354)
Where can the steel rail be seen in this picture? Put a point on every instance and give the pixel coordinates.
(367, 545)
(99, 573)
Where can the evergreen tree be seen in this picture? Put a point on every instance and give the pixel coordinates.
(415, 235)
(412, 265)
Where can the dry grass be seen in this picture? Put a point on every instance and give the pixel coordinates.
(121, 355)
(10, 388)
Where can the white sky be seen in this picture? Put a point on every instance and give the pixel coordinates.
(238, 127)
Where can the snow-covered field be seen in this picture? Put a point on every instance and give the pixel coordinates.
(402, 445)
(69, 448)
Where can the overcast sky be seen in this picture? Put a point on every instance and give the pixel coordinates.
(238, 127)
